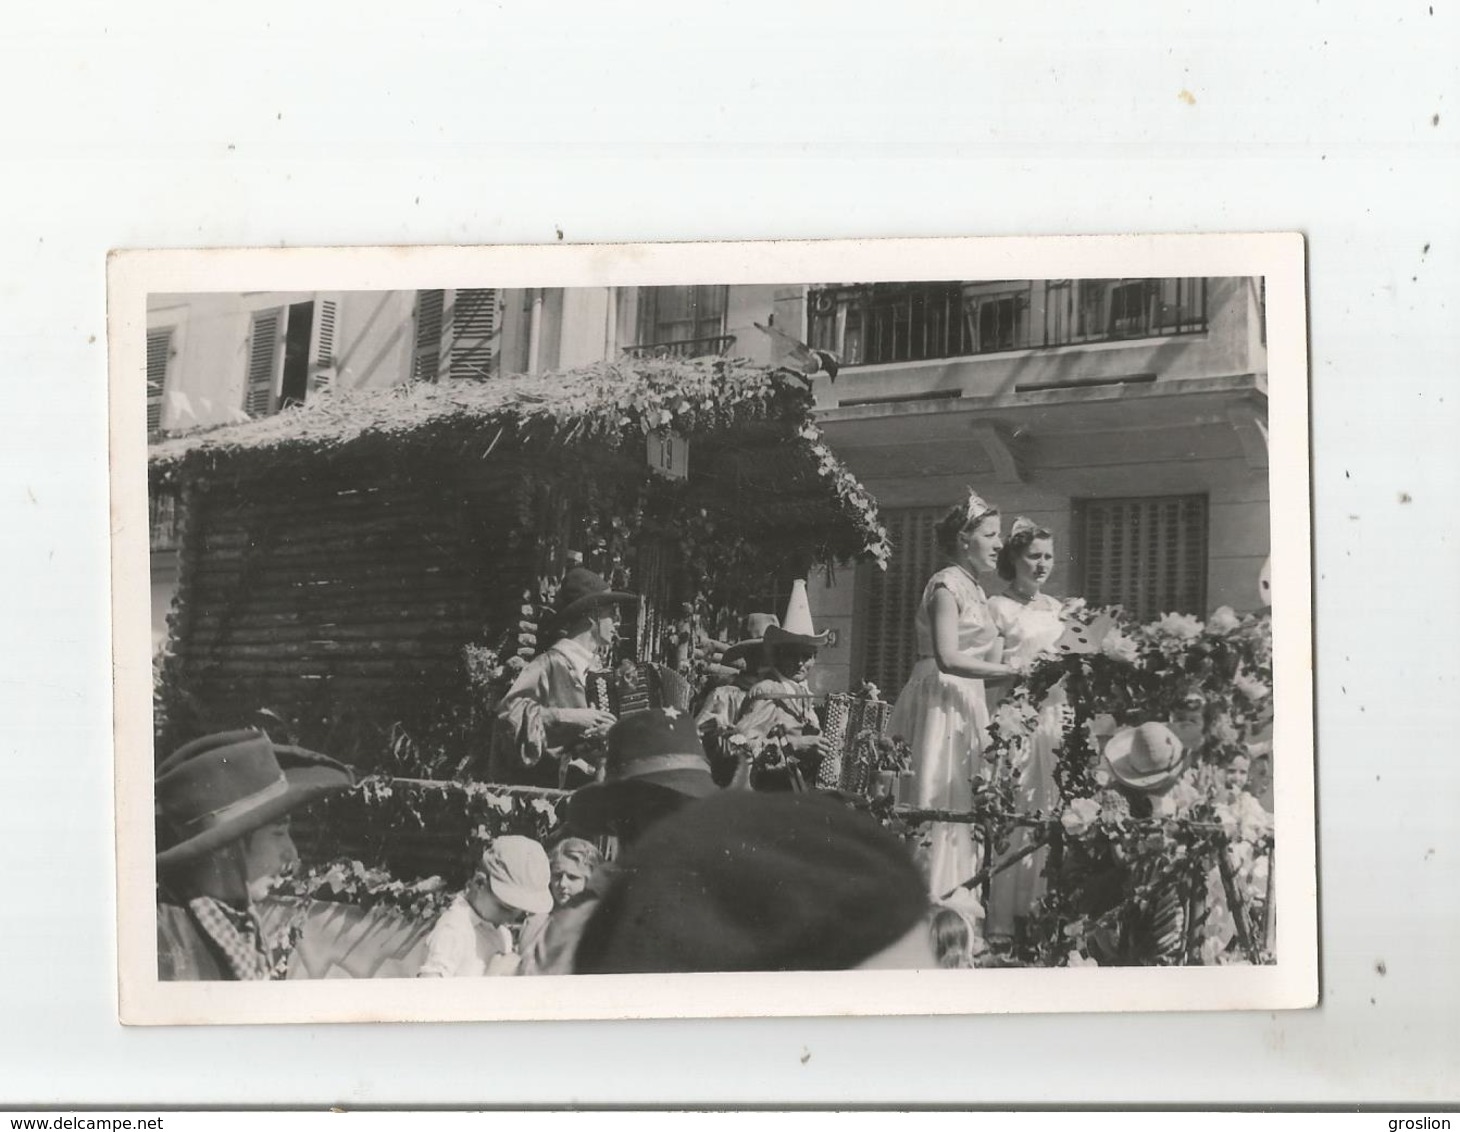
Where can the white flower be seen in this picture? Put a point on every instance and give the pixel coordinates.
(1079, 816)
(1224, 620)
(671, 713)
(1251, 687)
(1181, 626)
(1118, 646)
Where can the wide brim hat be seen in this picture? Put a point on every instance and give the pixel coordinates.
(218, 788)
(1149, 758)
(746, 881)
(649, 752)
(756, 627)
(796, 629)
(583, 590)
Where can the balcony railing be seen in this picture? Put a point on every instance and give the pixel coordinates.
(902, 322)
(714, 346)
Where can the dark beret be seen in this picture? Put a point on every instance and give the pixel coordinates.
(742, 881)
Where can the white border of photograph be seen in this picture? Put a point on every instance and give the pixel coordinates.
(1292, 982)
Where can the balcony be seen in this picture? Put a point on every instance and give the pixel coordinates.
(881, 323)
(713, 346)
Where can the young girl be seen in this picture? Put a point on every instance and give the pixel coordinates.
(952, 938)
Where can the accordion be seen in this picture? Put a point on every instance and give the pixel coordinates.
(853, 724)
(637, 686)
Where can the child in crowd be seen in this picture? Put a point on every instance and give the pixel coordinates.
(573, 862)
(474, 936)
(952, 938)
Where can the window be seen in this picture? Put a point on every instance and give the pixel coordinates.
(290, 355)
(1146, 554)
(885, 640)
(868, 324)
(681, 322)
(159, 354)
(457, 335)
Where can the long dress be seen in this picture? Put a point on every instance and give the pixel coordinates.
(1028, 629)
(944, 719)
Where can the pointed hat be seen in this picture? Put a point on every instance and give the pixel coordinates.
(796, 627)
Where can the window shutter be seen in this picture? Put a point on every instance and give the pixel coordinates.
(159, 349)
(322, 348)
(890, 649)
(1148, 555)
(426, 363)
(258, 400)
(473, 335)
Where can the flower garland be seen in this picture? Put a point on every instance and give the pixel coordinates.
(1157, 887)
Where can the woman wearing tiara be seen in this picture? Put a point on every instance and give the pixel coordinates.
(943, 713)
(1028, 620)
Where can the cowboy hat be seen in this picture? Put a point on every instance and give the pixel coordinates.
(583, 590)
(218, 788)
(1148, 758)
(660, 749)
(796, 629)
(756, 625)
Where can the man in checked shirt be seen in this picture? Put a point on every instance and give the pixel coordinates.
(223, 804)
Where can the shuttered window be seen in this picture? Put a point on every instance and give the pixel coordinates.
(159, 350)
(426, 362)
(1146, 554)
(457, 334)
(472, 334)
(263, 340)
(886, 640)
(326, 316)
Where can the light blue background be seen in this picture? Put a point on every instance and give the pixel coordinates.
(181, 124)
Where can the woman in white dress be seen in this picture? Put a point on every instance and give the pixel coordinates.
(943, 712)
(1028, 621)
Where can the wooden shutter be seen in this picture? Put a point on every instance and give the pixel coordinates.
(1148, 555)
(426, 363)
(887, 639)
(322, 346)
(472, 334)
(159, 349)
(263, 343)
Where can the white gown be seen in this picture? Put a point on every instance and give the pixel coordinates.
(1028, 629)
(945, 722)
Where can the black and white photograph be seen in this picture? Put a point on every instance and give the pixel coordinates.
(901, 639)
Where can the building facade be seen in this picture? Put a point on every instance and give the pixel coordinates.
(1126, 416)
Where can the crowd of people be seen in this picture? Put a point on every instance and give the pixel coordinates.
(723, 858)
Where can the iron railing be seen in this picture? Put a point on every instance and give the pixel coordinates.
(714, 346)
(900, 322)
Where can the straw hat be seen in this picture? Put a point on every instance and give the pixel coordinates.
(1148, 758)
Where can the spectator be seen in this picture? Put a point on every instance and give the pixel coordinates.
(223, 801)
(952, 938)
(473, 937)
(761, 882)
(656, 765)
